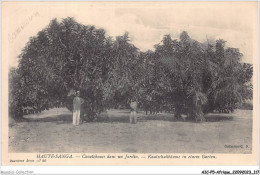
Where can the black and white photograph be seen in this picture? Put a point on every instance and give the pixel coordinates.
(148, 78)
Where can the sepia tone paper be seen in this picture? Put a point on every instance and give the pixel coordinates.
(21, 20)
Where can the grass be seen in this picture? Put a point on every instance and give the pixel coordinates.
(52, 131)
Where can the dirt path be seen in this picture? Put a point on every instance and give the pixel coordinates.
(52, 131)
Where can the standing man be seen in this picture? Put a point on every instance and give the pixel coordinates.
(133, 116)
(77, 101)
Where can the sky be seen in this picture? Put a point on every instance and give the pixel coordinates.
(146, 22)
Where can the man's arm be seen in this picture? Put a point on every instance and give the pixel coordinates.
(74, 104)
(82, 100)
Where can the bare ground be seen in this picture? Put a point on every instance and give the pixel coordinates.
(52, 131)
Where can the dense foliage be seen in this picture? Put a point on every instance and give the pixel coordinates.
(182, 76)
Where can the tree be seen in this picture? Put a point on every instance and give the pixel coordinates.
(231, 82)
(198, 80)
(15, 103)
(64, 56)
(124, 77)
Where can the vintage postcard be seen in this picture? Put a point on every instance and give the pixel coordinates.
(129, 83)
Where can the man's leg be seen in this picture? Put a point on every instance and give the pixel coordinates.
(131, 117)
(78, 117)
(74, 117)
(135, 117)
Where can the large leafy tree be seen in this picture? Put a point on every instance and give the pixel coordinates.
(231, 80)
(183, 66)
(195, 78)
(64, 56)
(123, 75)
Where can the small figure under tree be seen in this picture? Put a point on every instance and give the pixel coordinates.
(133, 113)
(77, 102)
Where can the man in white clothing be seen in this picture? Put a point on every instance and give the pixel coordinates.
(133, 115)
(77, 101)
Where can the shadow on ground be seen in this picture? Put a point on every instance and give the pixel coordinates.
(123, 118)
(59, 119)
(218, 118)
